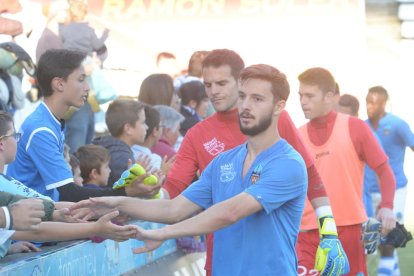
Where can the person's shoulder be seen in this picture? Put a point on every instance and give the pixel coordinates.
(38, 119)
(109, 142)
(282, 159)
(354, 121)
(393, 119)
(284, 150)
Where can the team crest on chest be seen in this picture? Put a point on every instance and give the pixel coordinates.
(214, 146)
(227, 172)
(256, 174)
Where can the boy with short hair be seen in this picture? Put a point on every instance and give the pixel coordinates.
(126, 124)
(94, 165)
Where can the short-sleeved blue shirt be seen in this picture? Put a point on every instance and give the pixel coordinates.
(395, 135)
(39, 162)
(264, 242)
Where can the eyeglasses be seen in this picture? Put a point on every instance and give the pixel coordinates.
(16, 136)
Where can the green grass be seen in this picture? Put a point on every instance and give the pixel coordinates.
(406, 260)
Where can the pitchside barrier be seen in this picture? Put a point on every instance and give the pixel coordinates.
(84, 257)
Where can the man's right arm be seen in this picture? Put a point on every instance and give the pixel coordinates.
(156, 210)
(184, 168)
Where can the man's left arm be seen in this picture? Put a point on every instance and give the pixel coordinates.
(370, 151)
(214, 218)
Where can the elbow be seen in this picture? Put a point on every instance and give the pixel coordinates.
(177, 215)
(229, 216)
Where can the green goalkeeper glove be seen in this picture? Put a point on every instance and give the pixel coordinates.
(330, 256)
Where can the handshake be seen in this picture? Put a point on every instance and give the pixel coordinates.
(131, 174)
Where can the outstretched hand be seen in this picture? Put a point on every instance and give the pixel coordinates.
(151, 238)
(94, 207)
(22, 247)
(107, 229)
(64, 215)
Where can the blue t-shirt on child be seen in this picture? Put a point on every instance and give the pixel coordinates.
(39, 162)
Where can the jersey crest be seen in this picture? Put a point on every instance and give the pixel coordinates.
(256, 174)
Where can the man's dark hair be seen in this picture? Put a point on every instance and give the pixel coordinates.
(379, 90)
(320, 77)
(280, 85)
(56, 63)
(220, 57)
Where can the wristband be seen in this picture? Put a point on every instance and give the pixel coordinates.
(327, 226)
(7, 216)
(11, 220)
(324, 211)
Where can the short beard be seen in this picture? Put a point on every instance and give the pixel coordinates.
(263, 125)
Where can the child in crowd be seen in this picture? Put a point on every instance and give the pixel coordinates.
(126, 124)
(94, 165)
(194, 104)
